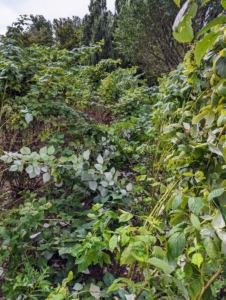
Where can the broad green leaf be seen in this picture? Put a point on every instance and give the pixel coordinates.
(176, 202)
(108, 278)
(115, 287)
(29, 117)
(29, 169)
(125, 217)
(177, 2)
(220, 66)
(13, 168)
(176, 244)
(51, 150)
(43, 150)
(219, 20)
(199, 117)
(197, 259)
(184, 33)
(203, 45)
(223, 3)
(215, 150)
(86, 154)
(194, 289)
(100, 159)
(223, 211)
(195, 221)
(93, 185)
(94, 291)
(215, 193)
(195, 205)
(25, 151)
(218, 220)
(211, 248)
(159, 263)
(98, 167)
(210, 117)
(113, 242)
(46, 177)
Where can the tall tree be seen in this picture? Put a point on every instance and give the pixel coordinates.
(39, 32)
(67, 32)
(97, 26)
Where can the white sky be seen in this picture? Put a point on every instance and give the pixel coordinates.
(50, 9)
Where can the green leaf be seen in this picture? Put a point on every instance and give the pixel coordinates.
(223, 3)
(211, 248)
(46, 177)
(215, 193)
(184, 33)
(125, 217)
(113, 242)
(203, 45)
(159, 263)
(220, 66)
(51, 150)
(176, 244)
(195, 288)
(25, 150)
(199, 117)
(176, 202)
(108, 278)
(93, 185)
(223, 211)
(195, 221)
(86, 154)
(13, 168)
(115, 287)
(177, 2)
(219, 20)
(195, 205)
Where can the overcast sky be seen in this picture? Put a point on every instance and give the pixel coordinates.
(50, 9)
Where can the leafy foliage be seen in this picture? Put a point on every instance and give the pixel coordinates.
(138, 199)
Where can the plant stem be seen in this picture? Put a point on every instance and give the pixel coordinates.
(209, 283)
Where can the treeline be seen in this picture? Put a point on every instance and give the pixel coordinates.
(139, 32)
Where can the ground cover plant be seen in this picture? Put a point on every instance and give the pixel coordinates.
(111, 189)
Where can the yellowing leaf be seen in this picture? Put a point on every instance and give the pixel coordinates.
(197, 259)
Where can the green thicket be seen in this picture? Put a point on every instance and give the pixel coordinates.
(111, 188)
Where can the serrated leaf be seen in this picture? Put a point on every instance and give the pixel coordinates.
(211, 248)
(100, 159)
(113, 242)
(13, 168)
(195, 205)
(176, 244)
(98, 167)
(29, 117)
(176, 202)
(215, 193)
(197, 259)
(46, 177)
(125, 217)
(93, 185)
(195, 288)
(25, 151)
(51, 150)
(159, 263)
(195, 221)
(108, 278)
(29, 169)
(86, 154)
(43, 150)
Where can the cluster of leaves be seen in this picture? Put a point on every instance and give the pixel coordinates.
(145, 194)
